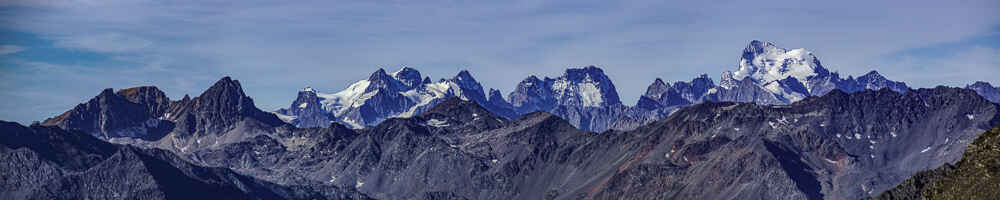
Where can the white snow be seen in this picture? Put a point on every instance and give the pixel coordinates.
(970, 116)
(586, 91)
(352, 123)
(893, 133)
(303, 105)
(712, 91)
(777, 89)
(737, 129)
(286, 118)
(777, 64)
(590, 95)
(858, 136)
(494, 161)
(830, 161)
(308, 89)
(925, 149)
(358, 184)
(437, 123)
(353, 96)
(838, 135)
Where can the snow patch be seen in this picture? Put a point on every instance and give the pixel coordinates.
(970, 116)
(925, 150)
(437, 123)
(353, 96)
(303, 105)
(590, 95)
(352, 123)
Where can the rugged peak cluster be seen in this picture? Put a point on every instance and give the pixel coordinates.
(586, 96)
(146, 113)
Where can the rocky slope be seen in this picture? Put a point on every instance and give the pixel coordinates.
(973, 177)
(51, 163)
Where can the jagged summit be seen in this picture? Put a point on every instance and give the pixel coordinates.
(116, 114)
(656, 89)
(765, 62)
(409, 77)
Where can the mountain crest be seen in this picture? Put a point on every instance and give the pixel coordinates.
(656, 89)
(408, 77)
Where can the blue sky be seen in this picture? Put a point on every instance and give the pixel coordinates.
(56, 54)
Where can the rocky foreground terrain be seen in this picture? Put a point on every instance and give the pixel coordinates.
(50, 163)
(976, 176)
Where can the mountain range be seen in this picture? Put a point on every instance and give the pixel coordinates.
(836, 146)
(781, 127)
(586, 97)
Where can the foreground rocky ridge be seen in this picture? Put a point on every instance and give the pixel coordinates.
(974, 177)
(50, 163)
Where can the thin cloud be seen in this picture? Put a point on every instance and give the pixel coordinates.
(10, 49)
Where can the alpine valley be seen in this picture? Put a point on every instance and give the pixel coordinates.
(782, 126)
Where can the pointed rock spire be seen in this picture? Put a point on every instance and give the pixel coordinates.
(656, 89)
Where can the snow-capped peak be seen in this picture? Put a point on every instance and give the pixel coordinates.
(764, 62)
(588, 87)
(308, 89)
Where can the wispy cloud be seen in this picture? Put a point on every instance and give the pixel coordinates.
(9, 49)
(104, 43)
